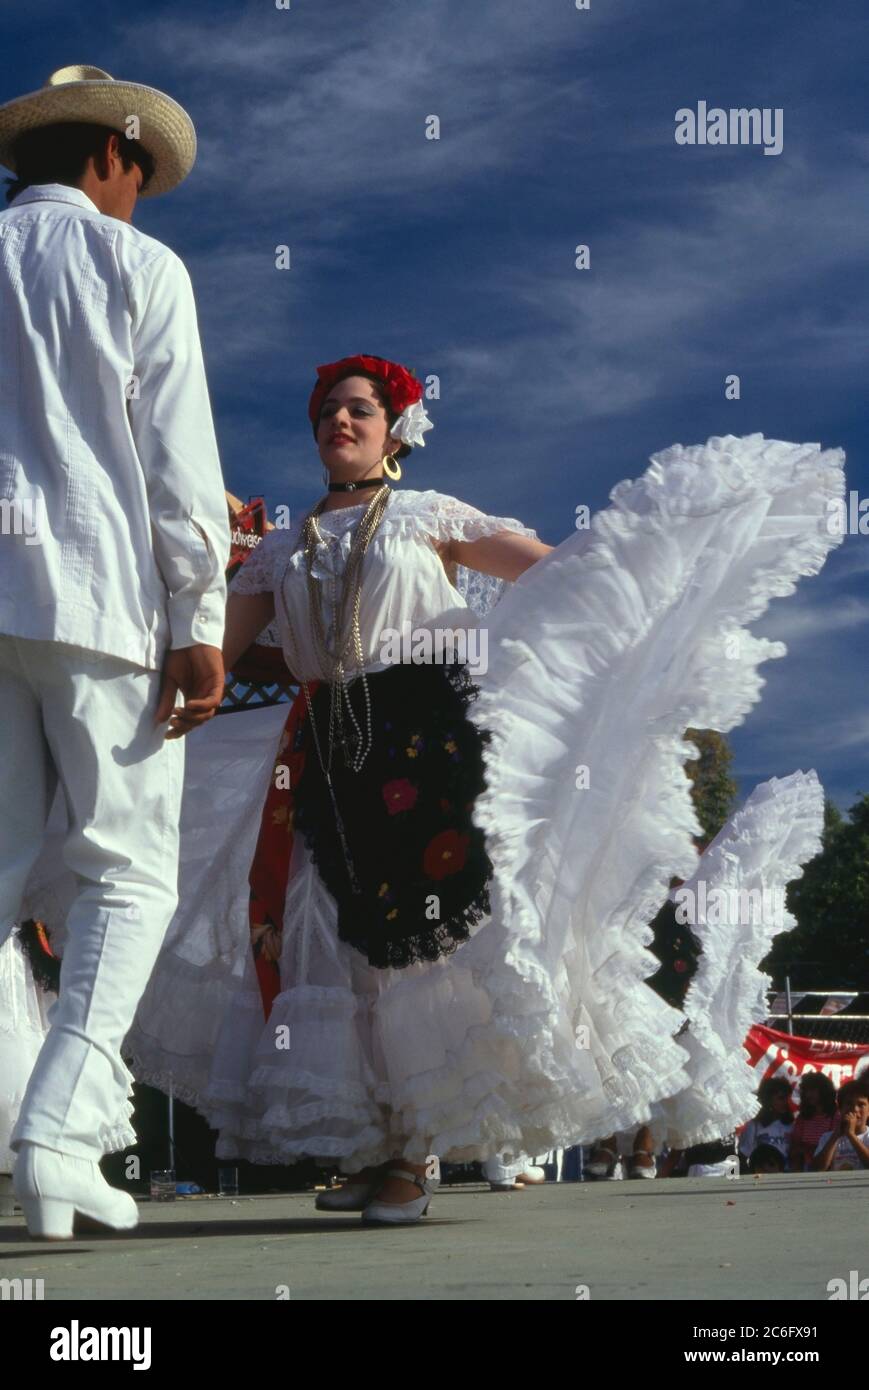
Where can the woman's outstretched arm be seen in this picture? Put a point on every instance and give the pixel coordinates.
(505, 555)
(246, 617)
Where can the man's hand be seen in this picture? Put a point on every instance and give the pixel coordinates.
(198, 673)
(849, 1123)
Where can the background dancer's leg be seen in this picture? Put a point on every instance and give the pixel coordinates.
(642, 1162)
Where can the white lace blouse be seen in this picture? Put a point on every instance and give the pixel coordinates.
(404, 581)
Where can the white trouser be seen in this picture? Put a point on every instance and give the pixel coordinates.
(86, 720)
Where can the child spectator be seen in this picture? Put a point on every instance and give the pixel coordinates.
(766, 1158)
(817, 1109)
(773, 1122)
(846, 1145)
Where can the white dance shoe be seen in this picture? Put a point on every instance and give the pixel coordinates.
(641, 1170)
(609, 1169)
(512, 1177)
(531, 1175)
(396, 1213)
(53, 1187)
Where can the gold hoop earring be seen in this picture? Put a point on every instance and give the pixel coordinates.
(391, 467)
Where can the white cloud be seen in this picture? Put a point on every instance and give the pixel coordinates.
(303, 112)
(801, 620)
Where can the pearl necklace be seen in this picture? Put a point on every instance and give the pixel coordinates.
(344, 634)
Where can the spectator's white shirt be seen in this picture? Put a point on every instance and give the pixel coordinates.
(113, 524)
(776, 1133)
(845, 1156)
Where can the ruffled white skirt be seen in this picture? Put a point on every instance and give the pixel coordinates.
(24, 1011)
(737, 903)
(540, 1031)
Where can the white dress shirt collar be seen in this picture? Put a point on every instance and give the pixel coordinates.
(54, 193)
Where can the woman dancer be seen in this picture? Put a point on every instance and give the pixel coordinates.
(462, 930)
(392, 763)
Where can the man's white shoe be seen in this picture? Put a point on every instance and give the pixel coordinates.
(394, 1213)
(52, 1187)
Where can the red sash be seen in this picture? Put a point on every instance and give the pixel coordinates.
(270, 870)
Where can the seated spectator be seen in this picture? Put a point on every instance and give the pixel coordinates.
(710, 1160)
(846, 1145)
(766, 1158)
(773, 1122)
(817, 1109)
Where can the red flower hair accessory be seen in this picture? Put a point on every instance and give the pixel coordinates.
(401, 388)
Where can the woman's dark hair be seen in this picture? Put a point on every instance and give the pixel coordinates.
(380, 393)
(824, 1087)
(766, 1093)
(59, 154)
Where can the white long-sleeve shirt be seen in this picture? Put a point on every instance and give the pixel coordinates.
(114, 533)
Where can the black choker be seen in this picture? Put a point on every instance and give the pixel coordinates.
(354, 487)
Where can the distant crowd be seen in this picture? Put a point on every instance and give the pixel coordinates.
(828, 1132)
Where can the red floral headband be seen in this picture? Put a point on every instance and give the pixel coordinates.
(400, 386)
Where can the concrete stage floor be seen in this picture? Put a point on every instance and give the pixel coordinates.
(768, 1238)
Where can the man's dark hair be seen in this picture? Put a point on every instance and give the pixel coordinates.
(59, 154)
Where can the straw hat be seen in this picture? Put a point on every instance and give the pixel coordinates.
(80, 93)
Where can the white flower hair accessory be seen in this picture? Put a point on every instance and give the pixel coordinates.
(411, 425)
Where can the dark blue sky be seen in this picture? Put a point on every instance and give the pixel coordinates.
(457, 256)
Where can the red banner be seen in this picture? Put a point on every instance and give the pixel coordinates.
(778, 1054)
(248, 526)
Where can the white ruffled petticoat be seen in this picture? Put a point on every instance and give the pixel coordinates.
(738, 889)
(539, 1031)
(25, 1018)
(24, 1009)
(736, 902)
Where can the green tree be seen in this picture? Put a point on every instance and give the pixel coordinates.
(713, 790)
(830, 944)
